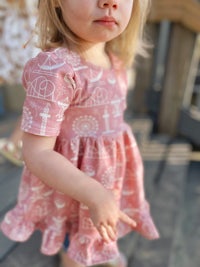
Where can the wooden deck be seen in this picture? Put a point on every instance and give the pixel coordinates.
(173, 189)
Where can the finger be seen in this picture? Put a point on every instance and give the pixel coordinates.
(113, 225)
(126, 219)
(111, 232)
(103, 233)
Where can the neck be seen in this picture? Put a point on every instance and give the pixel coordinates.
(93, 53)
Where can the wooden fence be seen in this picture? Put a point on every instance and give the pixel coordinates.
(174, 27)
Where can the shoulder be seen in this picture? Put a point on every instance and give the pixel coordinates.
(50, 64)
(52, 60)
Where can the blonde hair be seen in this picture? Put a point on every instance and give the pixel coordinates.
(18, 3)
(53, 32)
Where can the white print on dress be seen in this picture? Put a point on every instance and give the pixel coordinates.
(45, 115)
(106, 117)
(111, 79)
(63, 106)
(27, 119)
(49, 64)
(85, 126)
(116, 102)
(108, 178)
(41, 87)
(60, 204)
(93, 77)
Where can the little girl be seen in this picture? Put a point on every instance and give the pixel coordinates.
(83, 178)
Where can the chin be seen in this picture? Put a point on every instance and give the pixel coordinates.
(105, 39)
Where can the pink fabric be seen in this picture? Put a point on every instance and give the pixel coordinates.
(83, 106)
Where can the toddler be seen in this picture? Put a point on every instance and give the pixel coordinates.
(82, 183)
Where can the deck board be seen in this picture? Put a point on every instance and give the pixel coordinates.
(8, 192)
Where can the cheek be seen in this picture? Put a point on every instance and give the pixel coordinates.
(127, 12)
(126, 18)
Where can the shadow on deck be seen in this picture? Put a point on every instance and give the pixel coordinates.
(172, 188)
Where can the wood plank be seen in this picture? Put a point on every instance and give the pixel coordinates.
(144, 67)
(8, 192)
(185, 12)
(6, 245)
(177, 70)
(193, 72)
(28, 254)
(7, 170)
(185, 249)
(187, 123)
(9, 182)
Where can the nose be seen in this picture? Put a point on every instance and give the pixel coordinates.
(108, 4)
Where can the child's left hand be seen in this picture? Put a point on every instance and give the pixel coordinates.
(105, 215)
(109, 233)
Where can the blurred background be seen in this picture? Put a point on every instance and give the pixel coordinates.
(163, 109)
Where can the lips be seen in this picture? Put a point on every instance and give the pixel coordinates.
(106, 20)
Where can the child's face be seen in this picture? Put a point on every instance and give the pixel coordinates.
(96, 21)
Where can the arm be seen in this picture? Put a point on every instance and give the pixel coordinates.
(54, 169)
(44, 162)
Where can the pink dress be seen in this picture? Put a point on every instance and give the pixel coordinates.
(82, 104)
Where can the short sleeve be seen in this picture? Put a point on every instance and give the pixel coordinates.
(49, 85)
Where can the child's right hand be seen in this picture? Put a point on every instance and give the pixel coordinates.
(105, 214)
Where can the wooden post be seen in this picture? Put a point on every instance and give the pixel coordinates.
(192, 75)
(144, 68)
(185, 12)
(185, 15)
(177, 70)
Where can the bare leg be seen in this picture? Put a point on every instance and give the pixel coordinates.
(67, 262)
